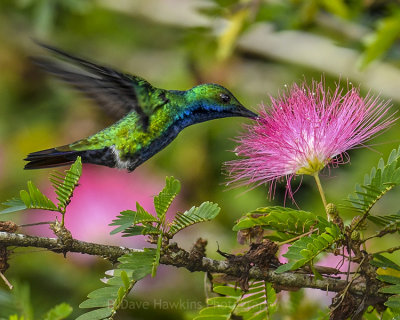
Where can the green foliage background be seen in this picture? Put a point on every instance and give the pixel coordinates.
(175, 45)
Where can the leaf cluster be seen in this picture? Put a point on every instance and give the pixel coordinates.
(64, 185)
(378, 182)
(141, 222)
(306, 249)
(135, 266)
(389, 272)
(107, 300)
(284, 223)
(259, 302)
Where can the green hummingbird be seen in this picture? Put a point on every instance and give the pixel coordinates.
(150, 117)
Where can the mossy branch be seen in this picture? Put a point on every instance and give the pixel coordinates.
(192, 261)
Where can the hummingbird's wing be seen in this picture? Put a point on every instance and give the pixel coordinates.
(117, 93)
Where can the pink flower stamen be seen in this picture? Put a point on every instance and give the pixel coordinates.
(304, 130)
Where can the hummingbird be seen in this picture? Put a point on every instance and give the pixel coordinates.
(149, 117)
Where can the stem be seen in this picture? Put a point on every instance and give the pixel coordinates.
(35, 224)
(321, 191)
(62, 217)
(9, 285)
(390, 250)
(298, 237)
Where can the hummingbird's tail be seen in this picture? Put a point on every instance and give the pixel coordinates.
(50, 158)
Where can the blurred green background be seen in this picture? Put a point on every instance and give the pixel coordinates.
(254, 48)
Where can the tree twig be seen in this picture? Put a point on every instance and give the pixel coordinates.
(175, 256)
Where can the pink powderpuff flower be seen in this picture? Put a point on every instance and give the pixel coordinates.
(304, 130)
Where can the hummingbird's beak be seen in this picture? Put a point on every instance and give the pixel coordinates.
(247, 113)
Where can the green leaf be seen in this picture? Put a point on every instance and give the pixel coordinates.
(309, 247)
(221, 307)
(391, 269)
(393, 302)
(129, 219)
(286, 223)
(383, 262)
(156, 261)
(259, 302)
(140, 230)
(388, 279)
(103, 292)
(13, 205)
(395, 289)
(133, 267)
(59, 312)
(285, 267)
(205, 212)
(379, 181)
(98, 314)
(377, 43)
(142, 215)
(216, 310)
(65, 184)
(98, 302)
(124, 221)
(221, 300)
(35, 199)
(125, 279)
(228, 291)
(140, 263)
(166, 196)
(387, 223)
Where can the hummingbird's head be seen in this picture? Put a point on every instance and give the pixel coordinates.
(211, 101)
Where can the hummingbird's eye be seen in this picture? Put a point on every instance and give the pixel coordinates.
(225, 98)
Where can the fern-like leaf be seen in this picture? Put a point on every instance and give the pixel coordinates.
(128, 219)
(164, 199)
(387, 221)
(306, 249)
(65, 184)
(123, 221)
(221, 308)
(134, 266)
(13, 205)
(35, 199)
(140, 230)
(156, 261)
(380, 180)
(59, 312)
(205, 212)
(286, 223)
(258, 303)
(388, 271)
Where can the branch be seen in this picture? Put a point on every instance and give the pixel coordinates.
(20, 240)
(192, 261)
